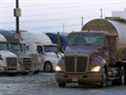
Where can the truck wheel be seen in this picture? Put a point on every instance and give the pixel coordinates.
(122, 79)
(61, 84)
(48, 67)
(104, 80)
(80, 84)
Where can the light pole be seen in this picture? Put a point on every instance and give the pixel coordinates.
(82, 22)
(101, 13)
(17, 14)
(63, 28)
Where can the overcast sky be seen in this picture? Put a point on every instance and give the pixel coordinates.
(50, 15)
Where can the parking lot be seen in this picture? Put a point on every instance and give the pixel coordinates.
(44, 84)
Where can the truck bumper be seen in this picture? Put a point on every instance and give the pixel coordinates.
(90, 77)
(11, 70)
(26, 70)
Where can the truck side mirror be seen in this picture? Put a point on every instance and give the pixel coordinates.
(40, 50)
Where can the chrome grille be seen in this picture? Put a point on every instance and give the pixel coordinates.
(81, 64)
(69, 64)
(11, 62)
(27, 62)
(75, 64)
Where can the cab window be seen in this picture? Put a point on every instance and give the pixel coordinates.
(39, 49)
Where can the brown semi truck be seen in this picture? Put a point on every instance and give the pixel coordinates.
(96, 55)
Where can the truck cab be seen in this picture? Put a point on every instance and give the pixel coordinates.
(89, 58)
(24, 60)
(40, 45)
(50, 56)
(8, 60)
(17, 47)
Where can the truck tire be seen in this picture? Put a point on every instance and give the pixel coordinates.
(104, 80)
(61, 84)
(125, 74)
(48, 67)
(122, 79)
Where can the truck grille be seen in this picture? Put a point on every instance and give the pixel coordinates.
(11, 62)
(27, 60)
(27, 63)
(75, 64)
(69, 64)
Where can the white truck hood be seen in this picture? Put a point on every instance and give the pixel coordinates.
(51, 54)
(54, 55)
(6, 53)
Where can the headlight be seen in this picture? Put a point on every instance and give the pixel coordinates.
(96, 69)
(58, 68)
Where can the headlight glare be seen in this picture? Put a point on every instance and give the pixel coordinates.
(96, 69)
(58, 68)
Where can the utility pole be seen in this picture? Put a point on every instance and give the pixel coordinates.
(101, 13)
(63, 28)
(17, 14)
(82, 22)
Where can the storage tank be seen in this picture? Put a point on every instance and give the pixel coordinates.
(115, 26)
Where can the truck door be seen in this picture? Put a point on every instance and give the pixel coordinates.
(112, 42)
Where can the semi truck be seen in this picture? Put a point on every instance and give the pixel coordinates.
(89, 58)
(17, 47)
(44, 51)
(95, 55)
(25, 61)
(8, 60)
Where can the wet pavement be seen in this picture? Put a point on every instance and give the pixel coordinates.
(44, 84)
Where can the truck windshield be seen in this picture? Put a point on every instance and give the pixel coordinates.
(50, 48)
(15, 48)
(3, 46)
(78, 39)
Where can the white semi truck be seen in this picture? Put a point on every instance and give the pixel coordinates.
(17, 47)
(25, 61)
(8, 60)
(44, 51)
